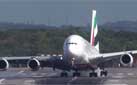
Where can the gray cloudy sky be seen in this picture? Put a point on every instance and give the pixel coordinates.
(60, 12)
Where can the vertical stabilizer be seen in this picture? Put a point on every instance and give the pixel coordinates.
(97, 46)
(94, 30)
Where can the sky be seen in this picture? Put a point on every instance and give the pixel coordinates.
(66, 12)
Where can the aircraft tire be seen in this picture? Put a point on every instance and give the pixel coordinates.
(64, 74)
(76, 74)
(93, 74)
(104, 73)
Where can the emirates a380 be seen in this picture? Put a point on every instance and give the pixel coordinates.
(79, 55)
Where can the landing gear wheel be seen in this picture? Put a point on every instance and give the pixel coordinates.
(104, 73)
(93, 74)
(64, 74)
(76, 74)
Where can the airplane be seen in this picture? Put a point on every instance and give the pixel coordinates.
(79, 55)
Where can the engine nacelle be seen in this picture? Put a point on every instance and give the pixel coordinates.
(34, 64)
(126, 60)
(4, 64)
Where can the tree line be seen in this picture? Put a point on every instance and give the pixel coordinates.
(25, 42)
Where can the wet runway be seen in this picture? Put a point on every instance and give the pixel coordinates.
(46, 76)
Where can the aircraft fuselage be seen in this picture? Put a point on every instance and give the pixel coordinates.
(79, 51)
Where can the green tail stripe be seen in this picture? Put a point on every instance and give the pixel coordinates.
(95, 22)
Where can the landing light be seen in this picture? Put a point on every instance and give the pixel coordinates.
(61, 58)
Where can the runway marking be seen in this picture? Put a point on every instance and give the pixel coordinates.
(113, 80)
(28, 82)
(1, 80)
(20, 72)
(44, 73)
(73, 79)
(33, 73)
(115, 84)
(37, 76)
(118, 76)
(120, 73)
(130, 74)
(52, 74)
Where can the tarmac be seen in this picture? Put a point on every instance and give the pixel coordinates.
(46, 76)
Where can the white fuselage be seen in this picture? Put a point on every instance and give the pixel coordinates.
(79, 49)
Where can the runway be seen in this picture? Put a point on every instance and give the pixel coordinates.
(46, 76)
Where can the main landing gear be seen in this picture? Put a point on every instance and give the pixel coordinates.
(104, 73)
(98, 73)
(64, 74)
(95, 73)
(76, 74)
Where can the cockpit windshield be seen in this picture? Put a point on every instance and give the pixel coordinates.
(71, 43)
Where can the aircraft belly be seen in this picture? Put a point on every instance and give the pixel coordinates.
(80, 64)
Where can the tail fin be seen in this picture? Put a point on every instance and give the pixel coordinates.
(97, 46)
(94, 30)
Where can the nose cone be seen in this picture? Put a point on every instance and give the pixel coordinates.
(73, 46)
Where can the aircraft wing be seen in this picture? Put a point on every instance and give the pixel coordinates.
(109, 56)
(106, 55)
(34, 62)
(26, 57)
(113, 54)
(126, 57)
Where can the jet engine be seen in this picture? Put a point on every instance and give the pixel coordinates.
(126, 60)
(4, 64)
(33, 64)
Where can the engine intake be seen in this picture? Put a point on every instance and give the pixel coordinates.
(34, 64)
(126, 60)
(4, 64)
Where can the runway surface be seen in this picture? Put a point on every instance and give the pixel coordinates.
(46, 76)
